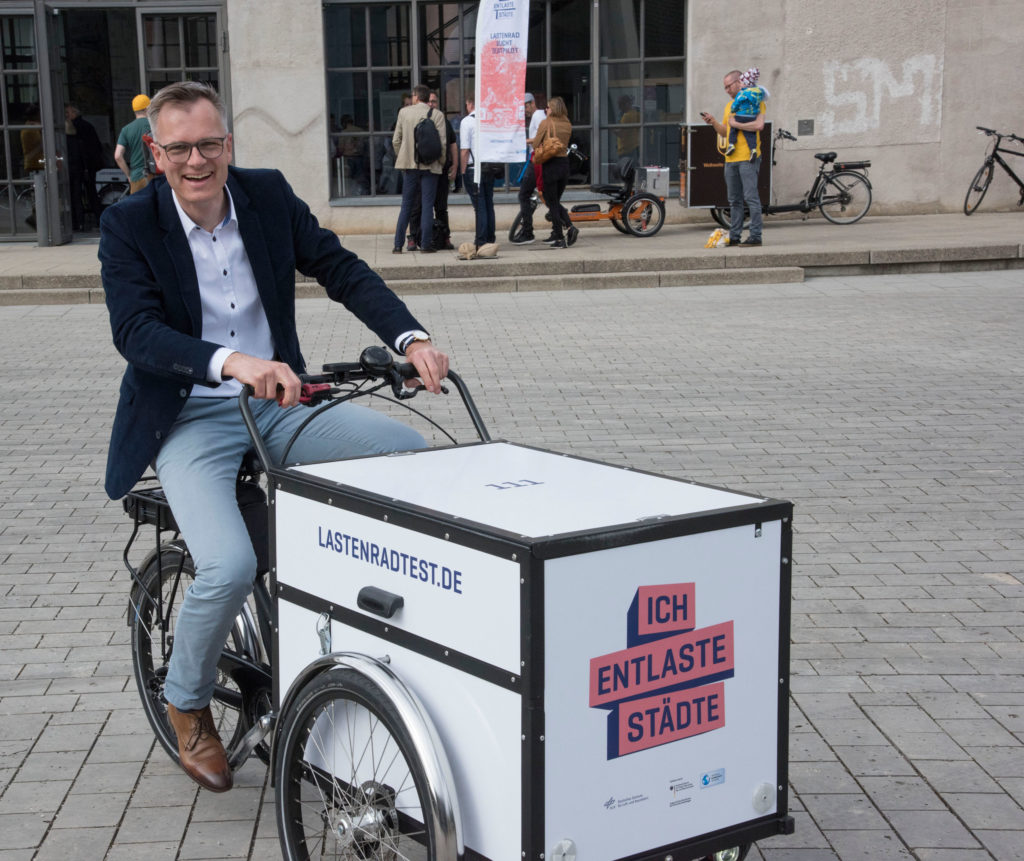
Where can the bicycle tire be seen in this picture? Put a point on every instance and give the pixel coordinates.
(160, 576)
(618, 225)
(516, 229)
(844, 197)
(978, 187)
(723, 216)
(643, 214)
(349, 782)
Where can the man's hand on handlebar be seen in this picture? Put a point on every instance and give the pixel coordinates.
(269, 379)
(430, 363)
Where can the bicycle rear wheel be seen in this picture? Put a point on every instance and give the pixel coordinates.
(979, 185)
(845, 197)
(349, 781)
(154, 610)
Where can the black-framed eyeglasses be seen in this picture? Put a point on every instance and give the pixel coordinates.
(180, 152)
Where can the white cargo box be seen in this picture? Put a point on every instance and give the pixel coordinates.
(655, 180)
(604, 651)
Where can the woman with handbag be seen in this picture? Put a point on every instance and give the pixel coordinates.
(550, 149)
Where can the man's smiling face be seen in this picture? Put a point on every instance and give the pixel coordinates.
(198, 182)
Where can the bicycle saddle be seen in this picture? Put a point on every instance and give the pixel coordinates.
(825, 156)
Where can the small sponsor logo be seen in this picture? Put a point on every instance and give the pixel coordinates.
(712, 778)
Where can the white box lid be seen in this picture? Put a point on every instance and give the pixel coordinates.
(525, 491)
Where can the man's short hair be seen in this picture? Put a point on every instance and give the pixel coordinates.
(185, 93)
(422, 93)
(735, 72)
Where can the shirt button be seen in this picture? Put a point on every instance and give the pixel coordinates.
(214, 238)
(232, 305)
(225, 271)
(183, 393)
(159, 434)
(232, 334)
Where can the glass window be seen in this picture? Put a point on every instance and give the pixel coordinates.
(17, 40)
(572, 83)
(345, 36)
(663, 29)
(200, 41)
(620, 28)
(537, 40)
(663, 91)
(389, 35)
(570, 29)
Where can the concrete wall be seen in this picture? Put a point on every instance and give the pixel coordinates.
(901, 82)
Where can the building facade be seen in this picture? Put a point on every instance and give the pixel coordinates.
(313, 87)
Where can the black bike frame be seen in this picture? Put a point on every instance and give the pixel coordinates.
(995, 157)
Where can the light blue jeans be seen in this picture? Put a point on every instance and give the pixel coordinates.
(741, 187)
(197, 466)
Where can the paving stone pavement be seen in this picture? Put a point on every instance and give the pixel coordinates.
(888, 408)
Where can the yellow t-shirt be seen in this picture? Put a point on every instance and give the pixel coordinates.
(742, 151)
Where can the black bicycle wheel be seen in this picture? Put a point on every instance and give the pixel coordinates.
(154, 611)
(643, 214)
(979, 185)
(845, 197)
(736, 853)
(515, 231)
(723, 216)
(618, 225)
(349, 782)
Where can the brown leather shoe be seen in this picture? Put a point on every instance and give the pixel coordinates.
(200, 748)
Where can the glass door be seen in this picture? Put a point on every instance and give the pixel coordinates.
(21, 148)
(57, 198)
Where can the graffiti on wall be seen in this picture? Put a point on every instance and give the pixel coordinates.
(856, 93)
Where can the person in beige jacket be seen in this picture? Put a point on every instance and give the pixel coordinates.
(418, 180)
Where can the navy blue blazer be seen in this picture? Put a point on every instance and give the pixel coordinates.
(152, 294)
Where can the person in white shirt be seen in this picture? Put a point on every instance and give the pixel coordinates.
(531, 176)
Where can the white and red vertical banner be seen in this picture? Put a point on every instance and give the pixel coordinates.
(502, 27)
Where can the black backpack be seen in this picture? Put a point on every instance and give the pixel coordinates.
(428, 147)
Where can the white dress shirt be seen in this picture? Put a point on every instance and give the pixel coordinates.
(233, 313)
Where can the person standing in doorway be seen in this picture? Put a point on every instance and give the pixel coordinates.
(130, 153)
(85, 157)
(442, 225)
(741, 166)
(418, 179)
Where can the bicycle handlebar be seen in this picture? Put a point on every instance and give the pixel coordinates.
(375, 365)
(784, 134)
(991, 132)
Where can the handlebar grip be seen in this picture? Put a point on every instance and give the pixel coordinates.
(987, 131)
(406, 370)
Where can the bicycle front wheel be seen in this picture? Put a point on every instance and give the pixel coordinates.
(845, 197)
(979, 185)
(643, 214)
(349, 782)
(155, 602)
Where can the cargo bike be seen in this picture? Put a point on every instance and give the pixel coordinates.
(490, 651)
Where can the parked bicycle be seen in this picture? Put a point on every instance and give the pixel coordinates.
(983, 178)
(841, 190)
(635, 213)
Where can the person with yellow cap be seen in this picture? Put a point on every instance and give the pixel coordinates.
(130, 152)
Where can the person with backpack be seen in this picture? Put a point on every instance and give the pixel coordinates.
(419, 154)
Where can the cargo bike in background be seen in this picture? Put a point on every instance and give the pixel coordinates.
(491, 651)
(840, 189)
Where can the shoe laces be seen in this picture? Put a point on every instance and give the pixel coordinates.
(202, 725)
